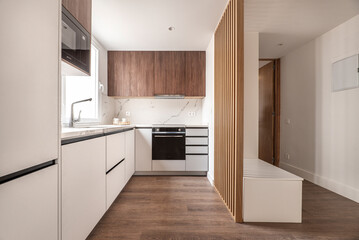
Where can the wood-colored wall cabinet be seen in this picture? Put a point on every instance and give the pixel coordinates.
(131, 74)
(195, 74)
(147, 74)
(170, 73)
(81, 10)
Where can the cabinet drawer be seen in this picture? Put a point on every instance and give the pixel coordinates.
(196, 162)
(197, 150)
(196, 141)
(115, 182)
(201, 132)
(168, 165)
(116, 149)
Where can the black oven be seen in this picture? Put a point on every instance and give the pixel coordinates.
(168, 143)
(76, 42)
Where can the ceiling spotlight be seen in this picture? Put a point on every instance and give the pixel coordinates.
(171, 28)
(280, 44)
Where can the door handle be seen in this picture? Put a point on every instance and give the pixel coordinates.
(168, 136)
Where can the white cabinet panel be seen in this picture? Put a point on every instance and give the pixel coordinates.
(196, 141)
(202, 132)
(29, 83)
(169, 165)
(116, 149)
(144, 149)
(197, 150)
(115, 181)
(196, 162)
(130, 154)
(28, 206)
(83, 187)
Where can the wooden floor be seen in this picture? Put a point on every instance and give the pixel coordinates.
(189, 208)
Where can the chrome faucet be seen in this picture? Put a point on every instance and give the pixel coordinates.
(72, 120)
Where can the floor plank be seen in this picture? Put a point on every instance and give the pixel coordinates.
(174, 207)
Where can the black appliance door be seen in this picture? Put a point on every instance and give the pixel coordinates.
(76, 42)
(168, 147)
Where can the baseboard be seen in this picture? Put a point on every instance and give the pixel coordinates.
(339, 188)
(210, 178)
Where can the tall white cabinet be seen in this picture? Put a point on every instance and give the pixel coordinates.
(29, 123)
(130, 154)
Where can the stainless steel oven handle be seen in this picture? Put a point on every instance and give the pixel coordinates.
(169, 136)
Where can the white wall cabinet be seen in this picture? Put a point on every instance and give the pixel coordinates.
(28, 206)
(83, 187)
(130, 154)
(144, 149)
(116, 149)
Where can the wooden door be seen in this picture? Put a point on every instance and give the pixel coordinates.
(266, 113)
(170, 75)
(196, 74)
(81, 10)
(131, 74)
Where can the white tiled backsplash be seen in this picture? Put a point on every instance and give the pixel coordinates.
(160, 111)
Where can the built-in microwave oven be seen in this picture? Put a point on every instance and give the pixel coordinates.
(76, 42)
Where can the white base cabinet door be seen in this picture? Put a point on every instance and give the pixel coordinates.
(83, 187)
(130, 154)
(144, 149)
(197, 163)
(115, 182)
(29, 205)
(116, 149)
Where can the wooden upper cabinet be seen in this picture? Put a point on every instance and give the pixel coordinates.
(195, 74)
(170, 75)
(81, 10)
(130, 74)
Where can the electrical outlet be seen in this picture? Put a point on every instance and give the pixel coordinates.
(191, 114)
(287, 156)
(128, 114)
(287, 121)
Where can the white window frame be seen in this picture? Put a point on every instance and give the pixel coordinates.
(84, 121)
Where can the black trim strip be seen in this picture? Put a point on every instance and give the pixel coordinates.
(195, 154)
(80, 139)
(115, 166)
(27, 171)
(118, 131)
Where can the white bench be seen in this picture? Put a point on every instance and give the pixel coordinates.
(270, 194)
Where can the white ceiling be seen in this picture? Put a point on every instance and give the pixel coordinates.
(143, 24)
(294, 22)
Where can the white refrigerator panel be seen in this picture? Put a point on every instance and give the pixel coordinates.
(29, 76)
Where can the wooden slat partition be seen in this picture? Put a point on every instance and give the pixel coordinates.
(228, 109)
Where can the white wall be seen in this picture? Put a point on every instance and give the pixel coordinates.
(251, 94)
(322, 137)
(208, 106)
(160, 111)
(251, 98)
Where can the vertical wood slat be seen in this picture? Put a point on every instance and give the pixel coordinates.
(228, 116)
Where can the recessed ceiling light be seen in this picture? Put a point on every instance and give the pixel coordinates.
(280, 44)
(171, 28)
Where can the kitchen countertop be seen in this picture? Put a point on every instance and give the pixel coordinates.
(69, 133)
(77, 132)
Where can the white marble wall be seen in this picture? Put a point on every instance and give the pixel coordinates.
(160, 111)
(107, 109)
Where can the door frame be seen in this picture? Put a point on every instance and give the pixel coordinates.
(276, 140)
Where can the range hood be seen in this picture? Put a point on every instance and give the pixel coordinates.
(169, 96)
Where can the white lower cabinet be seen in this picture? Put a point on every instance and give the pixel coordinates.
(116, 149)
(115, 182)
(169, 165)
(83, 187)
(28, 206)
(196, 162)
(144, 149)
(130, 154)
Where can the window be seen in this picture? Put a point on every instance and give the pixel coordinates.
(76, 88)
